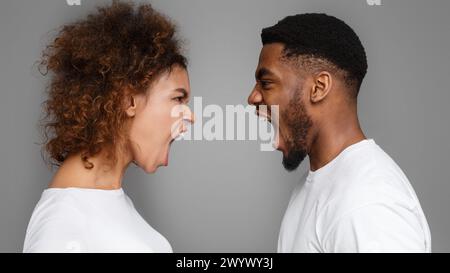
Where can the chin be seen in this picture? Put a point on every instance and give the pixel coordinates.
(150, 169)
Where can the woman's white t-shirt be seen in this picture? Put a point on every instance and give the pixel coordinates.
(361, 201)
(90, 220)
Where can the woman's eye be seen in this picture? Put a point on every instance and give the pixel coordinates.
(179, 99)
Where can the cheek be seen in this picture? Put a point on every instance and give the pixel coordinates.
(142, 127)
(142, 135)
(150, 129)
(163, 123)
(155, 121)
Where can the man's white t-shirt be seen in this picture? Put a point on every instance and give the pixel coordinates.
(361, 201)
(90, 220)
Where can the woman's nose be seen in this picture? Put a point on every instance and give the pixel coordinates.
(188, 119)
(189, 116)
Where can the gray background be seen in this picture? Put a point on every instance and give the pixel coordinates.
(227, 195)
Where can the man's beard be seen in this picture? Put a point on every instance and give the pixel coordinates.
(298, 124)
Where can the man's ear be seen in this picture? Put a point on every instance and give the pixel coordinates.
(321, 86)
(131, 106)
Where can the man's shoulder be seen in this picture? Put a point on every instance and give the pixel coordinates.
(375, 180)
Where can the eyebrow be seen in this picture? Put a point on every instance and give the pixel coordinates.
(263, 72)
(182, 90)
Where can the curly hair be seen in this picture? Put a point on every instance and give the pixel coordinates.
(319, 39)
(93, 62)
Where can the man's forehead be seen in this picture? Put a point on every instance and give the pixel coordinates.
(271, 60)
(271, 52)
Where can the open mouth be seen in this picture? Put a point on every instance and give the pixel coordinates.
(178, 137)
(264, 116)
(166, 158)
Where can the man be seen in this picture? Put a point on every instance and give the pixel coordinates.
(355, 197)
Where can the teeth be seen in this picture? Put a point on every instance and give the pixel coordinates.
(186, 123)
(275, 142)
(179, 136)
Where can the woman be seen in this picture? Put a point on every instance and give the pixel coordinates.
(117, 77)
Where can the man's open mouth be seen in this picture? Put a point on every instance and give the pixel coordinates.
(264, 115)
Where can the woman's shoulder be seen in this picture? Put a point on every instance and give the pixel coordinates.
(58, 200)
(57, 219)
(58, 206)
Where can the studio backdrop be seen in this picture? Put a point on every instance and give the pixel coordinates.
(228, 195)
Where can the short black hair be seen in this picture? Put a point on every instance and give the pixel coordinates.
(321, 36)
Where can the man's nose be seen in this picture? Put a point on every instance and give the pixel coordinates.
(255, 97)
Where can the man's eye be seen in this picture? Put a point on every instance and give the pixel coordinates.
(265, 84)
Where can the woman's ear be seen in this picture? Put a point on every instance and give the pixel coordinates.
(131, 106)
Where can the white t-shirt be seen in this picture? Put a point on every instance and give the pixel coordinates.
(90, 220)
(361, 201)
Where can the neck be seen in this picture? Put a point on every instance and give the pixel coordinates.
(333, 137)
(72, 173)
